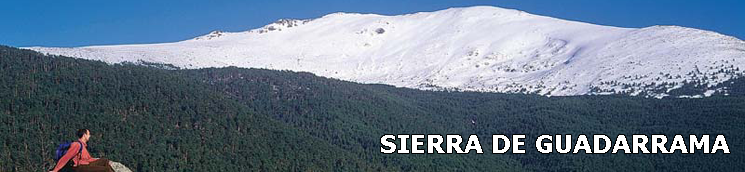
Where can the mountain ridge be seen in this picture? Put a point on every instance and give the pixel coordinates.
(480, 48)
(237, 119)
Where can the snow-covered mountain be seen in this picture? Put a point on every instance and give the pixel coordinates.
(475, 48)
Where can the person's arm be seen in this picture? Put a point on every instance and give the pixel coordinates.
(87, 158)
(71, 152)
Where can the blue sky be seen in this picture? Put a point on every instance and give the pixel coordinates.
(67, 23)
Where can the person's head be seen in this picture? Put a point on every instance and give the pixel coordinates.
(84, 134)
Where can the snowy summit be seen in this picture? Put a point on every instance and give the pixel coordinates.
(476, 48)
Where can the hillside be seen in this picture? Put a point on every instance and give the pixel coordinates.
(147, 118)
(482, 48)
(236, 119)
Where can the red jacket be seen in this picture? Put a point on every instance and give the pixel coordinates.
(72, 153)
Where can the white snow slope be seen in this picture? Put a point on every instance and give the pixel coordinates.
(475, 48)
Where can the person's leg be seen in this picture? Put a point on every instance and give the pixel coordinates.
(90, 168)
(100, 162)
(100, 165)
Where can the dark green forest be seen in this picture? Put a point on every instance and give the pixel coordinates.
(156, 118)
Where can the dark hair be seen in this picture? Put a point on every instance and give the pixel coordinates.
(81, 132)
